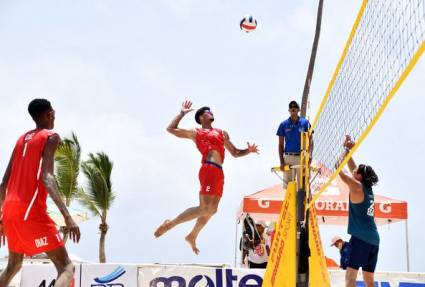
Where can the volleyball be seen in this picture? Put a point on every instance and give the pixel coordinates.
(248, 24)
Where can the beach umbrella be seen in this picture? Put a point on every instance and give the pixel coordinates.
(79, 215)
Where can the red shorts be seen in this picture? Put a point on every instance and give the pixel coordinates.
(211, 177)
(33, 236)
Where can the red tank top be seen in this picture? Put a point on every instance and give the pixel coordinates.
(26, 194)
(208, 140)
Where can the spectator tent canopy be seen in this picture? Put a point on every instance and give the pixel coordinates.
(331, 206)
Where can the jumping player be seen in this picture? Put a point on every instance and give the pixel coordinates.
(211, 142)
(364, 239)
(26, 183)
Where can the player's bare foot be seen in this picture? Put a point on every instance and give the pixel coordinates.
(192, 242)
(164, 227)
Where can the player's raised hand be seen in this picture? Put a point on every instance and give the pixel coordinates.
(186, 107)
(73, 230)
(348, 143)
(253, 148)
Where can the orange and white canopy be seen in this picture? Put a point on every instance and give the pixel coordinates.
(331, 206)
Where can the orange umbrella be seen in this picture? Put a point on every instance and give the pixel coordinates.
(331, 207)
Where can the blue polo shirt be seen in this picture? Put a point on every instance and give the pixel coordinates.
(292, 133)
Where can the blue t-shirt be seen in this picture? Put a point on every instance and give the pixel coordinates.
(292, 133)
(361, 218)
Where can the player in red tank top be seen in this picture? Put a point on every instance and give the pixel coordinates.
(23, 192)
(211, 142)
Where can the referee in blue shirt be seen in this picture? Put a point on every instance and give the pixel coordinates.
(289, 133)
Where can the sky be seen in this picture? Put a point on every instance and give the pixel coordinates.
(117, 72)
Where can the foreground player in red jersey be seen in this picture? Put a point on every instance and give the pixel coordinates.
(26, 183)
(211, 142)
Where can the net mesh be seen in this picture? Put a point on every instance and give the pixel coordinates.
(388, 38)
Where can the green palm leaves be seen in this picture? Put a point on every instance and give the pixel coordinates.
(67, 161)
(98, 195)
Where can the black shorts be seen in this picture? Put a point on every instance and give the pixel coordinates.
(253, 265)
(362, 254)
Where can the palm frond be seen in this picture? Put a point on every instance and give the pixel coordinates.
(87, 202)
(98, 169)
(67, 160)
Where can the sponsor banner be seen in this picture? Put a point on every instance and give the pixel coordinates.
(108, 275)
(115, 275)
(382, 279)
(184, 276)
(44, 275)
(281, 268)
(181, 276)
(318, 272)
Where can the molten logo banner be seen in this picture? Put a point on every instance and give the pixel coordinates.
(184, 276)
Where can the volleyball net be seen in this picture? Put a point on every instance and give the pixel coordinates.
(386, 41)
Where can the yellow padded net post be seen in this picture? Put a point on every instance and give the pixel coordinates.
(281, 267)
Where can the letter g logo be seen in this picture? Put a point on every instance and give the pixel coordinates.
(385, 207)
(263, 203)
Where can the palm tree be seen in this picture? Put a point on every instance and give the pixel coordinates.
(67, 158)
(310, 70)
(98, 196)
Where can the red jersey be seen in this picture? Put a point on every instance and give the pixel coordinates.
(208, 140)
(26, 195)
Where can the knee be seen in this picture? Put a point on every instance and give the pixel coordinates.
(368, 279)
(69, 268)
(350, 280)
(212, 210)
(65, 266)
(209, 210)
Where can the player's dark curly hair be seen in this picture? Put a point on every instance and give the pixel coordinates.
(200, 112)
(369, 177)
(37, 107)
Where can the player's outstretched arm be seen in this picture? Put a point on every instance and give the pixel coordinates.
(51, 185)
(173, 127)
(355, 187)
(238, 152)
